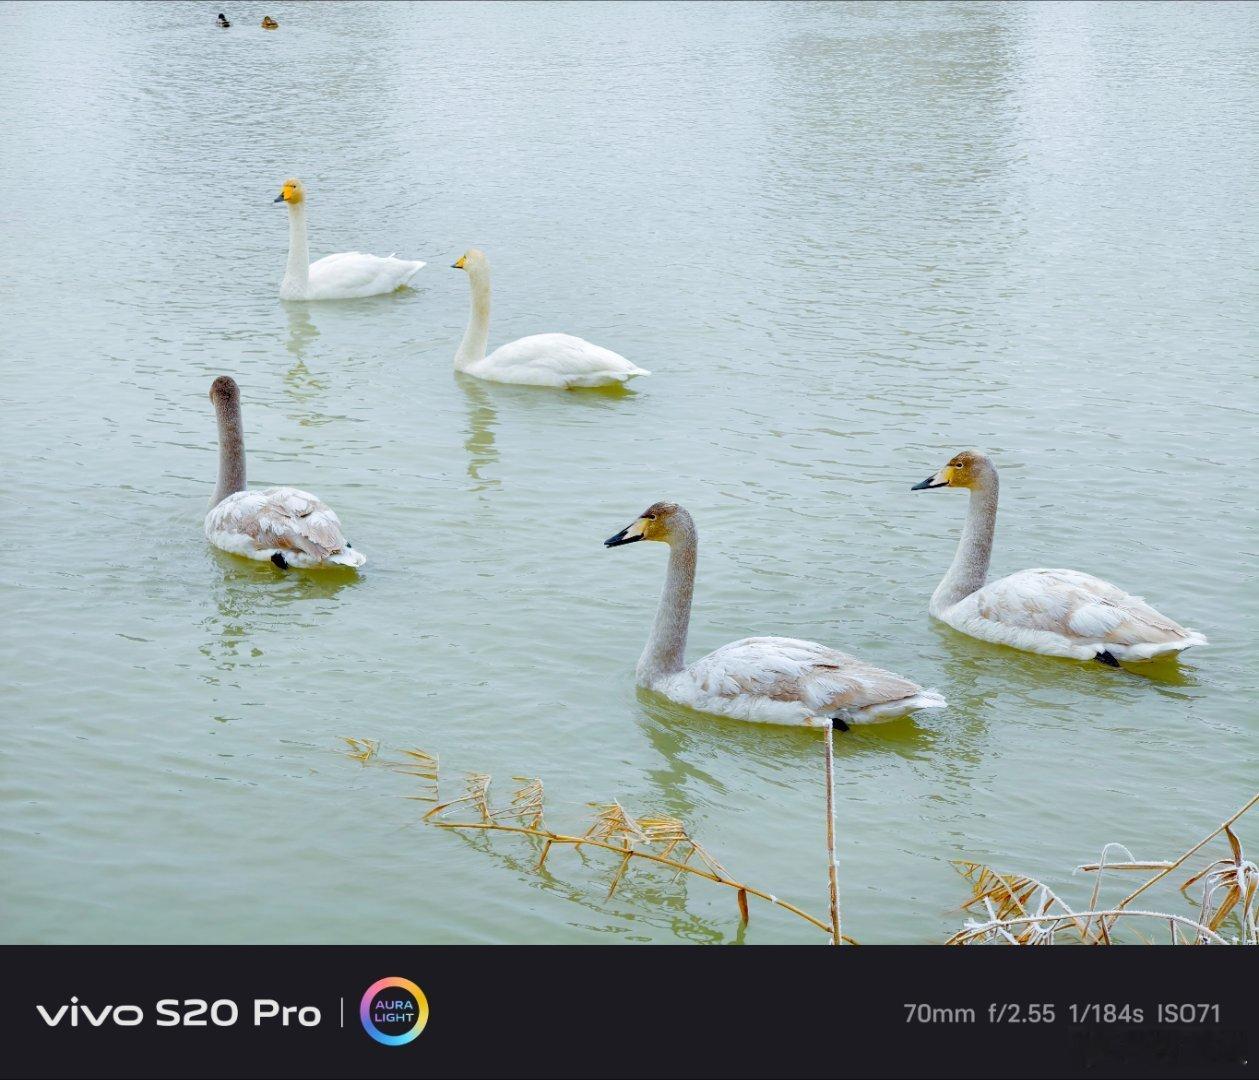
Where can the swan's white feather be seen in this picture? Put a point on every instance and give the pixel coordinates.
(1067, 613)
(284, 521)
(558, 360)
(352, 274)
(777, 680)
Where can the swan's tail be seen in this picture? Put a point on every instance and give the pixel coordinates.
(1150, 650)
(610, 378)
(894, 710)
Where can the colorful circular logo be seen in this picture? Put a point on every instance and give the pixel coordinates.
(394, 1011)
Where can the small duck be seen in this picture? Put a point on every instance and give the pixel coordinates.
(269, 23)
(222, 21)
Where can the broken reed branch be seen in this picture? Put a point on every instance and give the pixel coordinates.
(828, 733)
(551, 838)
(613, 828)
(617, 831)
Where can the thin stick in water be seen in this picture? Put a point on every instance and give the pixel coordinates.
(828, 733)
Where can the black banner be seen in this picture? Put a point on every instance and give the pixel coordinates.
(616, 1012)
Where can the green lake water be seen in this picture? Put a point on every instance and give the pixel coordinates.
(847, 241)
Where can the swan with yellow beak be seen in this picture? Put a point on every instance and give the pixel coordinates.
(764, 680)
(346, 276)
(1052, 612)
(556, 360)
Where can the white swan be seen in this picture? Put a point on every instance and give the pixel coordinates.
(346, 276)
(559, 360)
(765, 680)
(281, 525)
(1054, 612)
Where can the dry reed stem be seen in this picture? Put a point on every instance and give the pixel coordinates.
(832, 870)
(1103, 929)
(974, 931)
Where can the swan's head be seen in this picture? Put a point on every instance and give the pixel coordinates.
(470, 260)
(661, 521)
(969, 469)
(292, 192)
(224, 391)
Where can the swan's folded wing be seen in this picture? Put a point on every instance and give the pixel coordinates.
(350, 274)
(296, 519)
(1076, 606)
(283, 518)
(824, 680)
(560, 358)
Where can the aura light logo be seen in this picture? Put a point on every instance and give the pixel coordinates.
(394, 1011)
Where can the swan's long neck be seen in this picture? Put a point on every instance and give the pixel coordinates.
(297, 273)
(231, 451)
(472, 348)
(969, 570)
(666, 648)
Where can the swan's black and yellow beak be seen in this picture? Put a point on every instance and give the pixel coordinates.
(279, 198)
(939, 480)
(459, 263)
(628, 535)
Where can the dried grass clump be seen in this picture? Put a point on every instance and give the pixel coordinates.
(1227, 883)
(1023, 911)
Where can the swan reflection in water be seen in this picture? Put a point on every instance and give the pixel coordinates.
(253, 598)
(976, 672)
(300, 382)
(482, 419)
